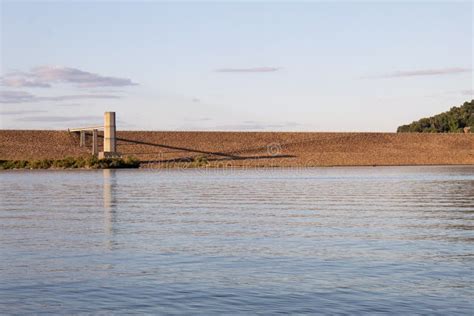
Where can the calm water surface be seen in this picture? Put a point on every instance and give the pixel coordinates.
(335, 240)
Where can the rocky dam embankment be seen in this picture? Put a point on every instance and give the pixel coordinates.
(255, 149)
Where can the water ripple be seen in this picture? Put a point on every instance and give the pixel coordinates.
(328, 240)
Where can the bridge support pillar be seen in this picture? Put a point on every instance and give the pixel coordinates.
(95, 145)
(82, 139)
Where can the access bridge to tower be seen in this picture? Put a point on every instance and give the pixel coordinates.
(110, 140)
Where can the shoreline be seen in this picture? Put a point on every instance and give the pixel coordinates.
(238, 168)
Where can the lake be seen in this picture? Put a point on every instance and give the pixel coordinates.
(321, 240)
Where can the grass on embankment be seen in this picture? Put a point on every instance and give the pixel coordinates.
(91, 162)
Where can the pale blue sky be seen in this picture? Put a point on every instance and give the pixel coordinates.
(312, 66)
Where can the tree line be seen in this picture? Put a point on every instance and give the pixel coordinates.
(452, 121)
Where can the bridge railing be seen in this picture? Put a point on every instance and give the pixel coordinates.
(82, 138)
(89, 128)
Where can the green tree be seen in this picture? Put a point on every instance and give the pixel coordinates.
(452, 121)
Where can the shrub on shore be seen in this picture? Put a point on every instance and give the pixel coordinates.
(91, 162)
(200, 161)
(13, 164)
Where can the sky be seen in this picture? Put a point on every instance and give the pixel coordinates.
(233, 66)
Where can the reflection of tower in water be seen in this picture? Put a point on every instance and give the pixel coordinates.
(110, 187)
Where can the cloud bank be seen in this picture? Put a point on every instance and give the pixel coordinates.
(255, 69)
(45, 76)
(25, 97)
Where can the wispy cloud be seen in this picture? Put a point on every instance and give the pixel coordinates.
(17, 82)
(52, 119)
(255, 69)
(423, 72)
(467, 92)
(256, 126)
(21, 112)
(69, 104)
(208, 124)
(15, 97)
(197, 119)
(45, 76)
(25, 97)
